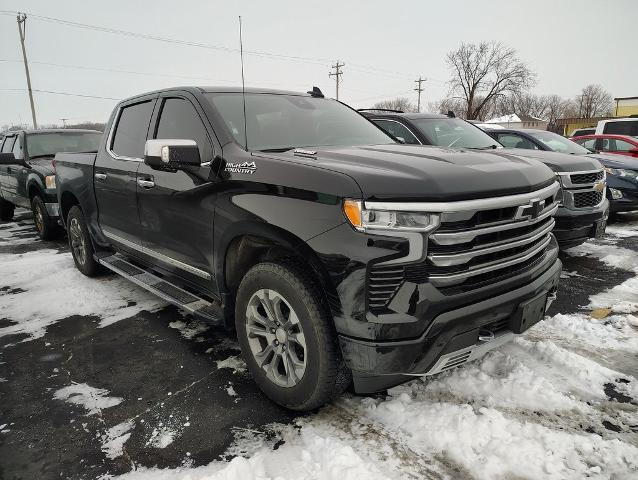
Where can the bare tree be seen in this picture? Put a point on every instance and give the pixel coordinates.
(594, 101)
(486, 71)
(400, 103)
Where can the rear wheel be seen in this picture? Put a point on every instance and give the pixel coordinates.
(6, 210)
(287, 337)
(80, 243)
(46, 226)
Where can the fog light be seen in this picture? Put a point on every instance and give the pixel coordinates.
(615, 194)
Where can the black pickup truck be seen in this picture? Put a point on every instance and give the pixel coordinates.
(583, 210)
(27, 172)
(336, 254)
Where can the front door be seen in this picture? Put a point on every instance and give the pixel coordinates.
(115, 174)
(176, 208)
(6, 170)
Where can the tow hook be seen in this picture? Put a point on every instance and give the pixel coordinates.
(551, 296)
(485, 335)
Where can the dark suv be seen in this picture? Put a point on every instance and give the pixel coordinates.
(584, 207)
(27, 171)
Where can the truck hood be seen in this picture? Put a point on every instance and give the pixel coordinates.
(43, 165)
(414, 172)
(559, 162)
(615, 160)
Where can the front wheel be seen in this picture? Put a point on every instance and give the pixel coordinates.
(46, 226)
(287, 337)
(80, 243)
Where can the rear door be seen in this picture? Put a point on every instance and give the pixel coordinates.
(5, 170)
(176, 208)
(17, 175)
(115, 173)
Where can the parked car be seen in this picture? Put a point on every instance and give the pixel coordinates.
(584, 209)
(615, 144)
(27, 172)
(622, 184)
(335, 253)
(583, 131)
(618, 126)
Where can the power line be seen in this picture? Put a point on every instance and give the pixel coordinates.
(337, 74)
(59, 93)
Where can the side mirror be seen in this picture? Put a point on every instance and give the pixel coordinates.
(171, 154)
(400, 139)
(8, 158)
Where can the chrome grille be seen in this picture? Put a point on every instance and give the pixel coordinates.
(586, 199)
(478, 242)
(472, 255)
(592, 177)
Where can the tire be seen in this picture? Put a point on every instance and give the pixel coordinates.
(81, 244)
(46, 227)
(311, 339)
(6, 210)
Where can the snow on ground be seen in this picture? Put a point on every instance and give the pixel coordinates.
(94, 400)
(18, 234)
(47, 288)
(115, 437)
(191, 329)
(235, 363)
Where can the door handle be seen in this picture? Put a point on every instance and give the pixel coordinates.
(146, 183)
(100, 176)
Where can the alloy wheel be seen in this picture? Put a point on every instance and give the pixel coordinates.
(77, 241)
(276, 338)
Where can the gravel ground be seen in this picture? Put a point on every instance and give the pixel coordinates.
(100, 379)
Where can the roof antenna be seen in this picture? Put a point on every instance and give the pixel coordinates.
(243, 85)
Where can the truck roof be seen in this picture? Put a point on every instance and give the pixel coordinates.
(50, 130)
(219, 89)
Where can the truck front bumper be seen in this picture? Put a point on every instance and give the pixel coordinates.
(453, 337)
(574, 227)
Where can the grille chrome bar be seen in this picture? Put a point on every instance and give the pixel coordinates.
(446, 260)
(449, 279)
(479, 204)
(451, 238)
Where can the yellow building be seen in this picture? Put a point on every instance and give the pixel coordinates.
(625, 106)
(565, 126)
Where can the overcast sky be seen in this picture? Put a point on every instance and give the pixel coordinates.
(385, 46)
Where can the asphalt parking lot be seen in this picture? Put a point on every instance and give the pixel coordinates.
(98, 378)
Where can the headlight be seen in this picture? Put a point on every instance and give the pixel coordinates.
(621, 172)
(365, 220)
(50, 181)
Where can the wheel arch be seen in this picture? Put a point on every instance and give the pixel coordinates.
(247, 243)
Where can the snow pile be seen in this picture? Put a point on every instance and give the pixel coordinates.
(622, 298)
(52, 289)
(115, 437)
(92, 399)
(310, 454)
(16, 234)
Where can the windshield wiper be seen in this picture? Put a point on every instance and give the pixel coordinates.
(489, 147)
(277, 150)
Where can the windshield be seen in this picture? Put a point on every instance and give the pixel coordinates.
(556, 143)
(282, 122)
(39, 144)
(454, 132)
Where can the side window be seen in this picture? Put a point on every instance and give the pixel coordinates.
(622, 128)
(17, 149)
(7, 146)
(131, 130)
(622, 146)
(588, 143)
(509, 140)
(398, 130)
(179, 120)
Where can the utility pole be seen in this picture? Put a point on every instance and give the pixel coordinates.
(419, 89)
(64, 122)
(22, 28)
(337, 74)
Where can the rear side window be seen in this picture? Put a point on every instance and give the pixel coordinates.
(180, 120)
(130, 133)
(398, 130)
(622, 128)
(7, 146)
